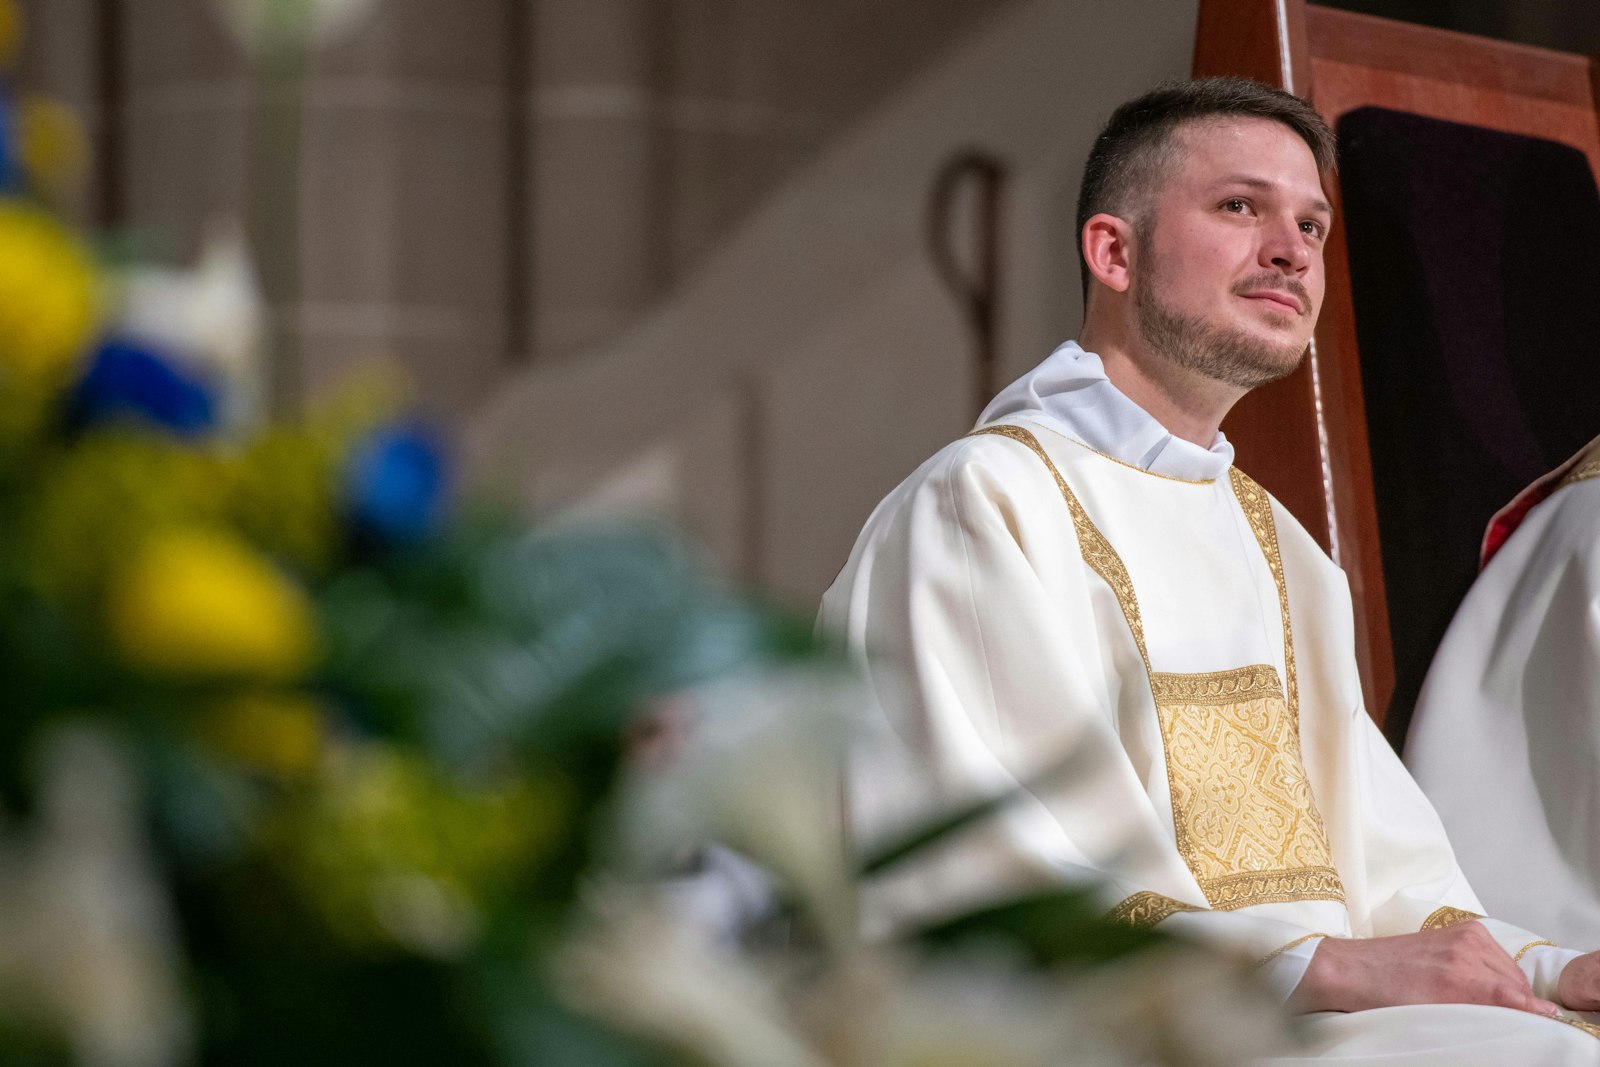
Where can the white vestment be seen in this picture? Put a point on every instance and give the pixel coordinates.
(1506, 736)
(1073, 581)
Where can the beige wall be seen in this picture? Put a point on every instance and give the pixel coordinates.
(813, 359)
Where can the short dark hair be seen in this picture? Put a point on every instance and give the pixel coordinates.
(1132, 150)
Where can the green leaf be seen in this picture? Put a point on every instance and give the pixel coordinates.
(1054, 927)
(931, 833)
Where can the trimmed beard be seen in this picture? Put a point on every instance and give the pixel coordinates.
(1221, 353)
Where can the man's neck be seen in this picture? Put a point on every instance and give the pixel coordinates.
(1188, 404)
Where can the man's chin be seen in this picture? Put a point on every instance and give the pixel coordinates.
(1250, 366)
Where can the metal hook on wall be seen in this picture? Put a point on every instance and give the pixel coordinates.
(973, 279)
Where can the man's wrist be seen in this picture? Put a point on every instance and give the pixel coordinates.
(1323, 979)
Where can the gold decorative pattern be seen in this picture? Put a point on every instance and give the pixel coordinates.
(1523, 951)
(1274, 887)
(1097, 551)
(1220, 687)
(1448, 916)
(1147, 909)
(1244, 818)
(1257, 507)
(1589, 1028)
(1280, 950)
(1242, 808)
(1589, 468)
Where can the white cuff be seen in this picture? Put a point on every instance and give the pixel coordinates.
(1283, 971)
(1541, 961)
(1543, 965)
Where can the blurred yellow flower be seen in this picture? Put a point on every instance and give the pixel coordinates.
(199, 601)
(110, 491)
(10, 31)
(52, 144)
(279, 733)
(48, 298)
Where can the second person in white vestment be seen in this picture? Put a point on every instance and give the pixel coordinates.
(1506, 737)
(1086, 574)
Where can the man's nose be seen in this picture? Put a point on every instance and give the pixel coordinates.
(1283, 247)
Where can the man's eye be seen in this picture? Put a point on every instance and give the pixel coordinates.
(1311, 228)
(1235, 205)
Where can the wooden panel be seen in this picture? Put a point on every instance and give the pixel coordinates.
(1357, 60)
(1495, 68)
(1260, 39)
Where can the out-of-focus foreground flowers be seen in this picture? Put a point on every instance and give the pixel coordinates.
(303, 761)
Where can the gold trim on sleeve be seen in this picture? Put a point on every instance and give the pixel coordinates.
(1147, 909)
(1523, 951)
(1280, 950)
(1448, 916)
(1589, 1028)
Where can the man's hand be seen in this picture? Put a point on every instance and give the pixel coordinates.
(1579, 986)
(1460, 964)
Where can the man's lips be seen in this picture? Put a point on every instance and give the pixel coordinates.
(1277, 296)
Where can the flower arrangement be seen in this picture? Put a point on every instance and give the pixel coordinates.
(303, 761)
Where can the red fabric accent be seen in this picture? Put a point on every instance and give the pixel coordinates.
(1508, 518)
(1505, 523)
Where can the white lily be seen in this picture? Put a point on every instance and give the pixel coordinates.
(211, 318)
(262, 24)
(878, 1010)
(760, 772)
(643, 971)
(87, 935)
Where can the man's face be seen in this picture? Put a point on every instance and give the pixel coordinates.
(1227, 278)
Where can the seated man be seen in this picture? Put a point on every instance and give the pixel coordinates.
(1506, 737)
(1086, 574)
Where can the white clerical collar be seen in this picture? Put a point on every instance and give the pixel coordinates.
(1070, 392)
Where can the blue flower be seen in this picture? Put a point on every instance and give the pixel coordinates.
(395, 484)
(127, 380)
(11, 173)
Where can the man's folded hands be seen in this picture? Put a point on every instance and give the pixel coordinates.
(1459, 964)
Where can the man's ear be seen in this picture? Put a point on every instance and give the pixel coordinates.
(1107, 248)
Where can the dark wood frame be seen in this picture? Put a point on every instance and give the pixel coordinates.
(1304, 438)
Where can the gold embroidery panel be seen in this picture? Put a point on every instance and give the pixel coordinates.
(1242, 808)
(1147, 909)
(1448, 916)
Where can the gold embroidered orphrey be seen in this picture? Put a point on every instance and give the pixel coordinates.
(1244, 817)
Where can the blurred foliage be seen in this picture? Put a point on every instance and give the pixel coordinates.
(302, 761)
